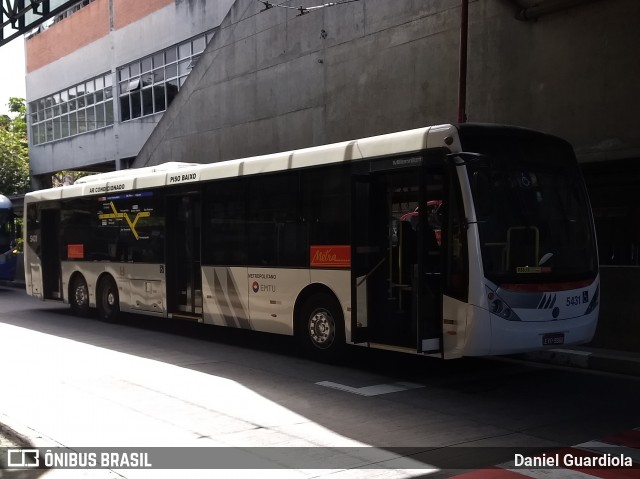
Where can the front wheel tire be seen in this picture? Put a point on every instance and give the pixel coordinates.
(320, 327)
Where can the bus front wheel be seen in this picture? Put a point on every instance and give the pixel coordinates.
(79, 296)
(108, 300)
(320, 327)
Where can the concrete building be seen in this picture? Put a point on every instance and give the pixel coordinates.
(272, 80)
(100, 76)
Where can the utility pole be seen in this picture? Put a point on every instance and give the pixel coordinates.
(462, 78)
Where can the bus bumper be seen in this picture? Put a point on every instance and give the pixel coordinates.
(512, 337)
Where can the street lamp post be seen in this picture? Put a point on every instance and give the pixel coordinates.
(462, 79)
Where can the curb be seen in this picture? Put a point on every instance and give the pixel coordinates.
(618, 362)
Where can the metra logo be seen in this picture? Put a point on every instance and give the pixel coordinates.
(336, 256)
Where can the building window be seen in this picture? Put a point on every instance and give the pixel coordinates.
(149, 85)
(81, 108)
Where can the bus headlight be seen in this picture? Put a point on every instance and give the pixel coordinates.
(498, 307)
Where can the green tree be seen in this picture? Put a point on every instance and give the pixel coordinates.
(14, 151)
(67, 177)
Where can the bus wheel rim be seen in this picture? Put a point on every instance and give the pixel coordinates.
(81, 295)
(111, 299)
(322, 328)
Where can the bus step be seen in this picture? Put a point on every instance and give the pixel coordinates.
(431, 345)
(191, 317)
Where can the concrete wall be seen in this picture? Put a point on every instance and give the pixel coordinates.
(619, 327)
(573, 73)
(273, 81)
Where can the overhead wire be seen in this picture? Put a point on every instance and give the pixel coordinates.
(301, 9)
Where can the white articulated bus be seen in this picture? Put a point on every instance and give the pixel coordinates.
(448, 240)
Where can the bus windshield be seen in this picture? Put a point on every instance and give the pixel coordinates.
(533, 214)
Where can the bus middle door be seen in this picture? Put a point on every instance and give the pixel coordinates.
(184, 276)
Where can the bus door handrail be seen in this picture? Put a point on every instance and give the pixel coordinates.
(366, 276)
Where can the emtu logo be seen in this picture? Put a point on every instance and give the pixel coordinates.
(23, 458)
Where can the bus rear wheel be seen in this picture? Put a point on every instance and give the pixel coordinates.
(79, 296)
(320, 327)
(108, 300)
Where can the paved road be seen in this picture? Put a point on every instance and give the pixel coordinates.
(75, 382)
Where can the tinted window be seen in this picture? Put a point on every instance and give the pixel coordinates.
(276, 230)
(224, 223)
(534, 219)
(327, 198)
(125, 227)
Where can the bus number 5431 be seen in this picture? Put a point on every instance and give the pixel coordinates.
(573, 300)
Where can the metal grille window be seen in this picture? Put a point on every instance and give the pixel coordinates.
(149, 85)
(84, 107)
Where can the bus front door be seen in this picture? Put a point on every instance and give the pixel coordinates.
(396, 293)
(183, 271)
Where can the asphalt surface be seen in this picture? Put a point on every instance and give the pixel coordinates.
(584, 357)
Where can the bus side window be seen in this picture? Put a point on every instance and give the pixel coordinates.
(327, 197)
(276, 232)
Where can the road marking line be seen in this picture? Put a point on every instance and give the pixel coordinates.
(372, 390)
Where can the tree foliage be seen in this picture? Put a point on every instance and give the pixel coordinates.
(14, 151)
(67, 177)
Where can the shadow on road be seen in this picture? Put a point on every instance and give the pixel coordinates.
(543, 402)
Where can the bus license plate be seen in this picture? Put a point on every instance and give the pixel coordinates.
(552, 339)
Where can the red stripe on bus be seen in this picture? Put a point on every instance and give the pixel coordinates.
(544, 287)
(492, 473)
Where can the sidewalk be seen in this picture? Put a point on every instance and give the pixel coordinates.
(579, 357)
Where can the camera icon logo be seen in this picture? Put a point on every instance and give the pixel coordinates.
(23, 458)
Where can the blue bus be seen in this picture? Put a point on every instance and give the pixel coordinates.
(8, 251)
